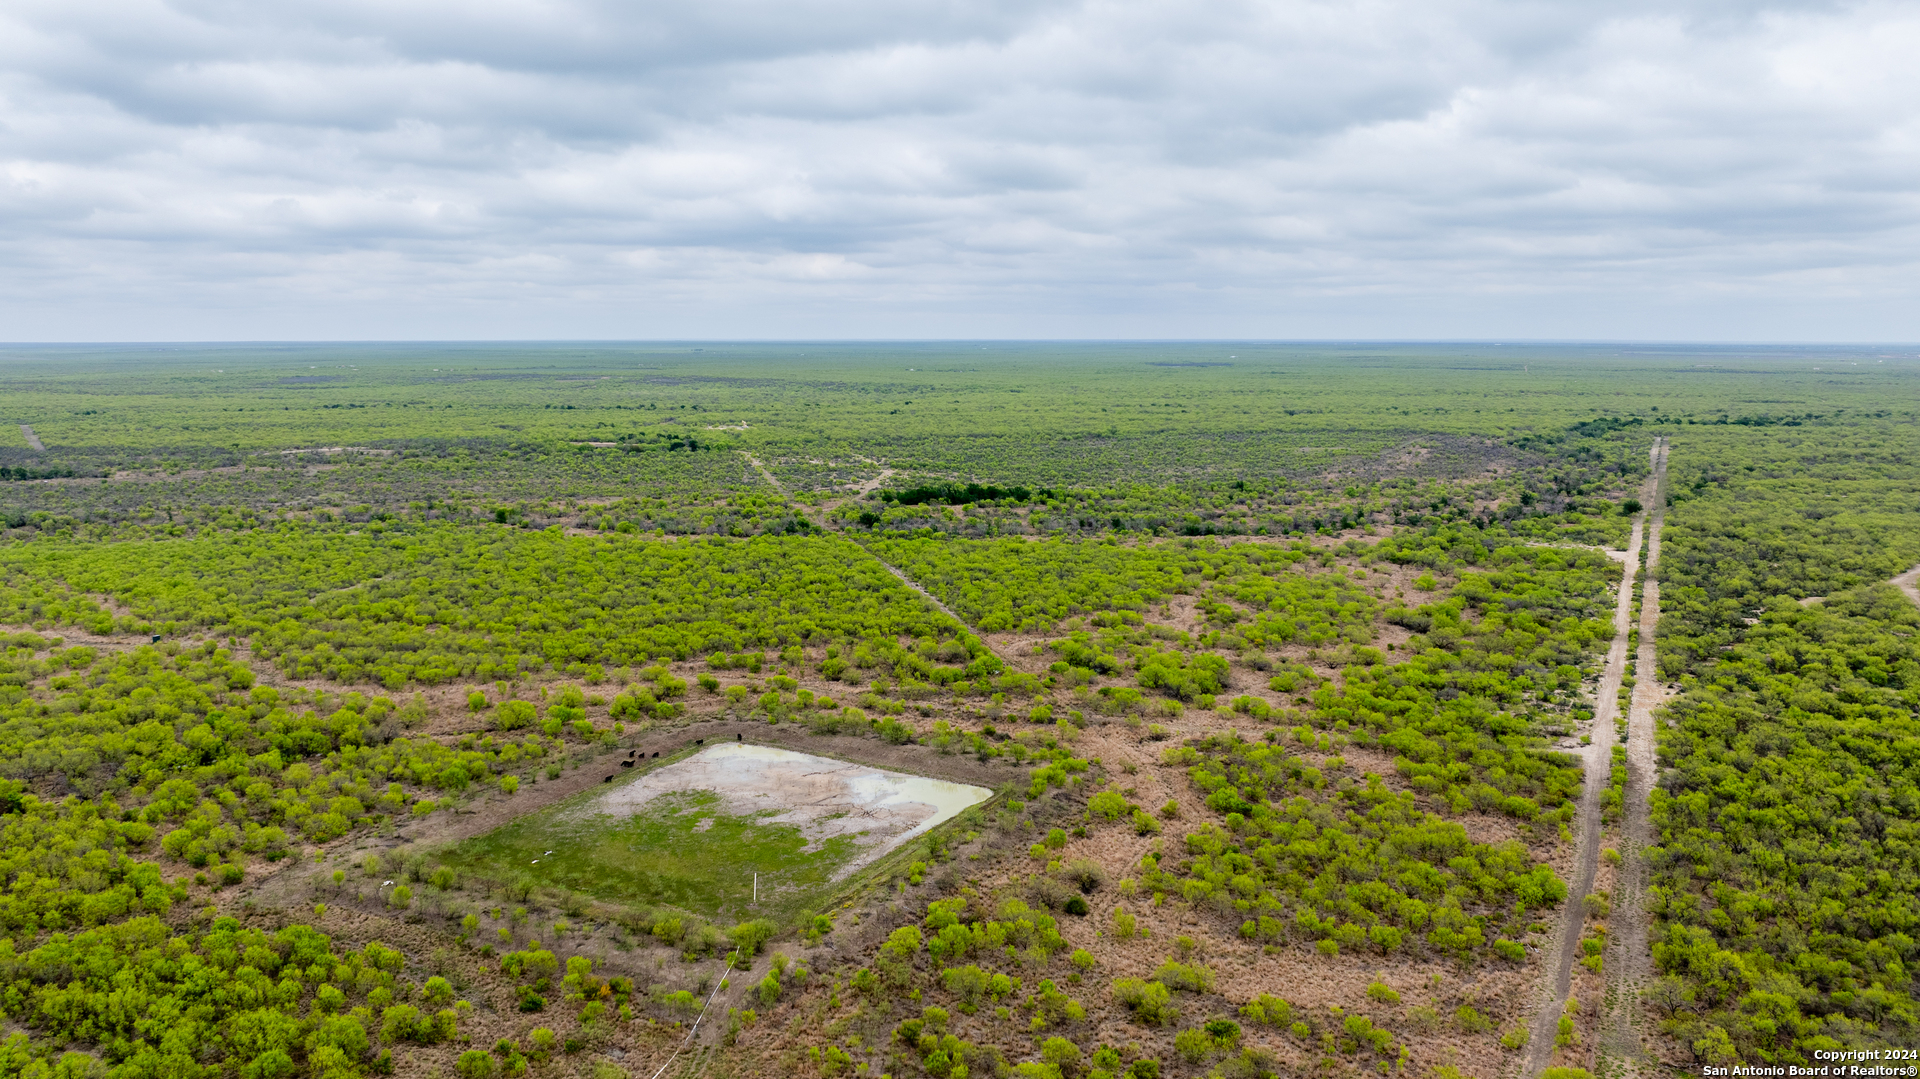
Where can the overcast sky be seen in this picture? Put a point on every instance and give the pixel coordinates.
(382, 169)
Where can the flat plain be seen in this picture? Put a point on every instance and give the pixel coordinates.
(1449, 710)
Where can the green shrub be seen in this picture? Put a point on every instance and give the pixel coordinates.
(1110, 805)
(1268, 1009)
(1190, 977)
(1149, 1002)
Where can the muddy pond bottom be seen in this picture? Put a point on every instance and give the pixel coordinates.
(696, 833)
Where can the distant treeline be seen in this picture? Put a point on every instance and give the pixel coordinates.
(668, 440)
(22, 472)
(955, 494)
(1604, 425)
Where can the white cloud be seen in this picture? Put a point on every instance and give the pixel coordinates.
(230, 169)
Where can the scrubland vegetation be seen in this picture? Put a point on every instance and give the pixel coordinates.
(436, 604)
(1282, 671)
(1785, 911)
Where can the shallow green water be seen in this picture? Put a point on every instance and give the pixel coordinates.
(681, 849)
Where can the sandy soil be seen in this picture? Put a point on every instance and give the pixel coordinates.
(74, 636)
(202, 473)
(1626, 1037)
(1557, 982)
(873, 484)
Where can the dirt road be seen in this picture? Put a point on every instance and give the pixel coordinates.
(1909, 582)
(891, 568)
(1629, 958)
(775, 484)
(32, 439)
(1597, 758)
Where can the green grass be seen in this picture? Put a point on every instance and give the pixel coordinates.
(662, 856)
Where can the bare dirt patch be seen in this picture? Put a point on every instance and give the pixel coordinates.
(1909, 583)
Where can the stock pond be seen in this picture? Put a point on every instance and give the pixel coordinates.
(693, 834)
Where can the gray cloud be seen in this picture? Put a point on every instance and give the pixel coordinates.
(559, 168)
